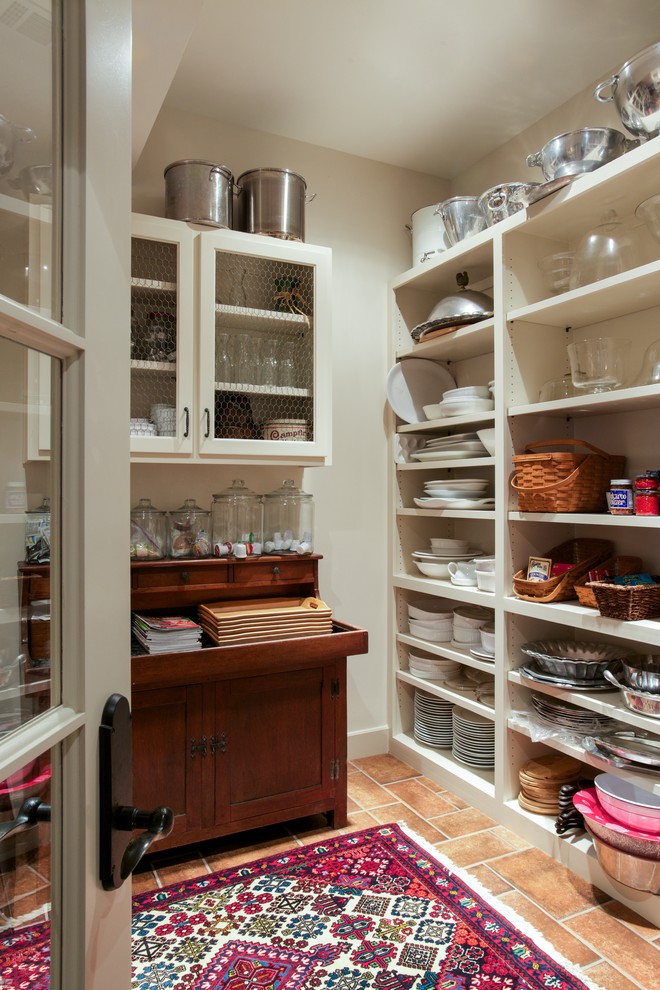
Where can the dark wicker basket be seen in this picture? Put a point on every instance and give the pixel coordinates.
(563, 481)
(627, 601)
(583, 554)
(615, 565)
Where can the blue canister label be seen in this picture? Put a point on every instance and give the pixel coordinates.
(620, 500)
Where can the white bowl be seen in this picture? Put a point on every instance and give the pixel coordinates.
(430, 609)
(472, 615)
(476, 391)
(487, 438)
(465, 407)
(453, 493)
(630, 804)
(467, 635)
(485, 563)
(436, 634)
(487, 635)
(449, 546)
(432, 569)
(485, 580)
(432, 411)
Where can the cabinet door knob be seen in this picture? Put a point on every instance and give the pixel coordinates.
(276, 570)
(185, 575)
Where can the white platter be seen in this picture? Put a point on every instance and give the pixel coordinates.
(413, 383)
(442, 455)
(455, 503)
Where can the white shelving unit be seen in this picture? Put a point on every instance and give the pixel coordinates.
(523, 346)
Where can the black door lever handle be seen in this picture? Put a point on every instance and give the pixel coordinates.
(158, 823)
(31, 812)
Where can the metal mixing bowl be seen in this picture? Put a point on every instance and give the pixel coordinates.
(642, 673)
(580, 151)
(635, 92)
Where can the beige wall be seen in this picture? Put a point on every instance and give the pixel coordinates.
(360, 211)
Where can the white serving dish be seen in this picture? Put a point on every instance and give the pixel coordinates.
(466, 635)
(464, 484)
(472, 615)
(628, 803)
(435, 634)
(432, 411)
(465, 407)
(487, 636)
(485, 580)
(475, 391)
(438, 608)
(413, 383)
(487, 437)
(431, 568)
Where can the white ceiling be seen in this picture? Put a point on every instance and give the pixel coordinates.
(429, 85)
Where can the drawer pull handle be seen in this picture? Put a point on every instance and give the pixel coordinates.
(186, 432)
(185, 575)
(199, 747)
(276, 570)
(207, 416)
(219, 743)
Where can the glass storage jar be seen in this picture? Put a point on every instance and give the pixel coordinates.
(288, 520)
(190, 531)
(237, 521)
(37, 534)
(148, 531)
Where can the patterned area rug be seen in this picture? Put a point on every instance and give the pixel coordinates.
(374, 910)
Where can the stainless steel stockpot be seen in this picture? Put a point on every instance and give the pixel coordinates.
(199, 192)
(272, 201)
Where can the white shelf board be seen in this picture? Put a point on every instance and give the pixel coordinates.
(621, 400)
(448, 424)
(243, 318)
(249, 389)
(427, 585)
(571, 613)
(474, 254)
(449, 513)
(620, 295)
(465, 342)
(478, 780)
(154, 367)
(445, 650)
(437, 690)
(152, 285)
(587, 519)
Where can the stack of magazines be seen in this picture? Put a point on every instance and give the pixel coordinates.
(166, 633)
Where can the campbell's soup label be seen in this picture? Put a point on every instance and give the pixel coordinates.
(286, 431)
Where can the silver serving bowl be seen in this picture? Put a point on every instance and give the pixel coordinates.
(504, 200)
(644, 702)
(642, 673)
(635, 92)
(573, 659)
(462, 217)
(580, 151)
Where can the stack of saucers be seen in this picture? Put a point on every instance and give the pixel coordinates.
(433, 720)
(432, 668)
(474, 739)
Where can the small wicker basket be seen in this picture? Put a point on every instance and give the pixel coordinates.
(564, 481)
(616, 566)
(583, 554)
(629, 602)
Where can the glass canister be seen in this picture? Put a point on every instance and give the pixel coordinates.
(37, 534)
(288, 520)
(148, 532)
(237, 521)
(190, 531)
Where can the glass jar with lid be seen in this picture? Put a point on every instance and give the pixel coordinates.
(190, 531)
(37, 534)
(288, 520)
(148, 531)
(237, 521)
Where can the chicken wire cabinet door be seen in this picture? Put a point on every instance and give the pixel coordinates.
(264, 376)
(162, 337)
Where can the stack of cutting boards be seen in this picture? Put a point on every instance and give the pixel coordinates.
(541, 780)
(233, 623)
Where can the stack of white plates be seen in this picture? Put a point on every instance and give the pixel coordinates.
(456, 493)
(436, 565)
(432, 668)
(473, 739)
(433, 720)
(446, 448)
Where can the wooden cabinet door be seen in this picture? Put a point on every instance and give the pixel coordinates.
(279, 744)
(168, 752)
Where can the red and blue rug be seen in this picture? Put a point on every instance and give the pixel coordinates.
(369, 911)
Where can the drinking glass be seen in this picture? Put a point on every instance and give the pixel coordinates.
(286, 364)
(269, 362)
(598, 365)
(223, 358)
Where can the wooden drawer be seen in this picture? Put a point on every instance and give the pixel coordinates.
(265, 572)
(181, 574)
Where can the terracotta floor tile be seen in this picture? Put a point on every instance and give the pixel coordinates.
(419, 798)
(357, 820)
(402, 814)
(605, 976)
(351, 805)
(366, 793)
(462, 822)
(175, 872)
(489, 879)
(643, 927)
(385, 769)
(454, 799)
(142, 882)
(515, 841)
(621, 946)
(566, 944)
(432, 785)
(548, 883)
(472, 849)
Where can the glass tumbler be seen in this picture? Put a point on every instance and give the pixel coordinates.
(598, 365)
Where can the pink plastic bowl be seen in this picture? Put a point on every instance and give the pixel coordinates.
(608, 829)
(629, 804)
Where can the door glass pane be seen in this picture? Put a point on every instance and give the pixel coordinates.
(29, 654)
(25, 888)
(29, 167)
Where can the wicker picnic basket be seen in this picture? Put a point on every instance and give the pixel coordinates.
(627, 601)
(555, 480)
(616, 566)
(582, 554)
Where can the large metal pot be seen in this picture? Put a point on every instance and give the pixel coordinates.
(199, 192)
(462, 217)
(272, 201)
(583, 150)
(429, 236)
(504, 200)
(635, 92)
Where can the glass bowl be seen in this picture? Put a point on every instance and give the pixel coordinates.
(556, 270)
(599, 364)
(557, 388)
(649, 213)
(607, 250)
(650, 371)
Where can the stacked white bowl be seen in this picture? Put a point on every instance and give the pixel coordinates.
(164, 419)
(466, 401)
(436, 562)
(485, 573)
(432, 620)
(467, 622)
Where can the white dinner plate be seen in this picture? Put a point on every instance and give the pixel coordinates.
(414, 383)
(447, 454)
(455, 503)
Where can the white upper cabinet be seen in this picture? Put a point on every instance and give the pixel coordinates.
(230, 346)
